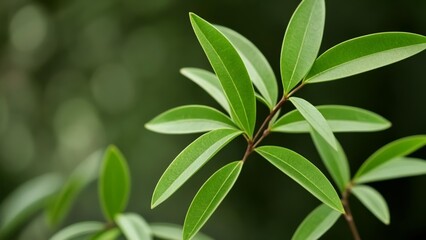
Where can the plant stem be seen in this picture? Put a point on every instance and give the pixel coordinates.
(348, 215)
(264, 130)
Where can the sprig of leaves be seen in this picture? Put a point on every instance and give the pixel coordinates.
(242, 75)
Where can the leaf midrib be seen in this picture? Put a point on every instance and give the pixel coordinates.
(214, 197)
(276, 157)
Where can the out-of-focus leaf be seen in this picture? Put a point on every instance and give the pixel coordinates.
(334, 160)
(339, 118)
(209, 82)
(78, 230)
(110, 234)
(302, 41)
(373, 201)
(84, 173)
(395, 149)
(172, 232)
(189, 161)
(114, 183)
(209, 197)
(259, 70)
(315, 120)
(133, 226)
(26, 200)
(189, 119)
(303, 172)
(230, 70)
(365, 53)
(318, 222)
(396, 168)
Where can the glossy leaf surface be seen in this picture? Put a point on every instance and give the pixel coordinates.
(395, 168)
(334, 160)
(315, 120)
(172, 232)
(373, 201)
(26, 200)
(258, 68)
(209, 197)
(189, 119)
(302, 41)
(303, 172)
(339, 118)
(84, 174)
(209, 82)
(365, 53)
(189, 161)
(231, 72)
(395, 149)
(318, 222)
(133, 226)
(114, 183)
(78, 230)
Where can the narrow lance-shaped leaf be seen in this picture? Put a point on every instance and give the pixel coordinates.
(189, 161)
(133, 226)
(231, 72)
(114, 183)
(339, 118)
(26, 200)
(78, 230)
(315, 119)
(318, 222)
(365, 53)
(302, 41)
(85, 173)
(209, 82)
(259, 70)
(334, 160)
(108, 234)
(397, 148)
(189, 119)
(396, 168)
(303, 172)
(172, 232)
(373, 201)
(209, 197)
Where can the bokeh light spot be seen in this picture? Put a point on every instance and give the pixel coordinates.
(28, 28)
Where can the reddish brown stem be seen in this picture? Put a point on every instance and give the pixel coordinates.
(348, 214)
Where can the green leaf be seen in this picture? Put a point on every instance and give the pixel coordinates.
(172, 232)
(231, 72)
(84, 173)
(26, 200)
(259, 70)
(334, 160)
(209, 197)
(302, 41)
(318, 222)
(339, 118)
(189, 119)
(373, 201)
(110, 234)
(395, 168)
(78, 230)
(209, 82)
(365, 53)
(114, 183)
(315, 120)
(189, 161)
(395, 149)
(303, 172)
(133, 226)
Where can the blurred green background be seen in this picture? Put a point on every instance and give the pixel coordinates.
(78, 75)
